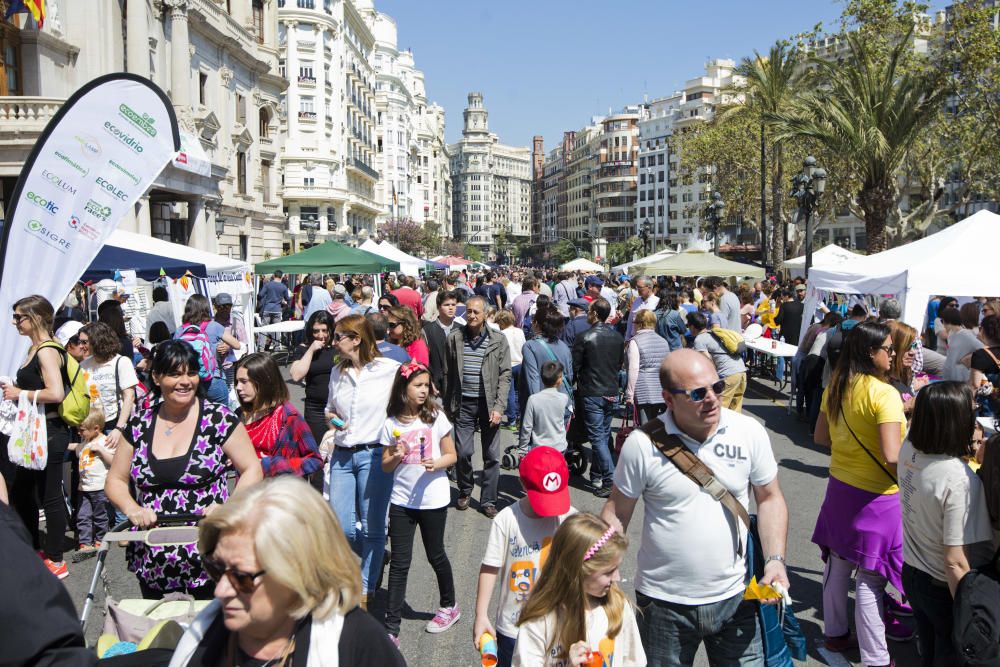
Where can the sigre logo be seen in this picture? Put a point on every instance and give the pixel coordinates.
(89, 146)
(97, 210)
(125, 172)
(68, 160)
(123, 136)
(57, 180)
(36, 228)
(42, 203)
(112, 189)
(142, 121)
(552, 482)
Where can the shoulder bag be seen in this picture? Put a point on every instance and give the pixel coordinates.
(780, 632)
(866, 451)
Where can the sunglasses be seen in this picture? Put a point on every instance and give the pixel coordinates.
(384, 306)
(887, 349)
(393, 325)
(18, 318)
(341, 336)
(698, 395)
(83, 341)
(242, 582)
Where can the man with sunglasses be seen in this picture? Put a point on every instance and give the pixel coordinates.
(690, 575)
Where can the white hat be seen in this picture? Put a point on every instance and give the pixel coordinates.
(67, 331)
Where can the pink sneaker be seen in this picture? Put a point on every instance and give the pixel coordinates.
(443, 619)
(898, 608)
(898, 631)
(394, 639)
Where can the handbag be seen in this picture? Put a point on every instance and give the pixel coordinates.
(781, 635)
(629, 421)
(131, 620)
(28, 444)
(870, 455)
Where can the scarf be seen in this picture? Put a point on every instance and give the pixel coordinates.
(264, 431)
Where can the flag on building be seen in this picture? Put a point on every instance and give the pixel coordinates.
(34, 7)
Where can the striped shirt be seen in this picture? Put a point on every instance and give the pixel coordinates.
(474, 350)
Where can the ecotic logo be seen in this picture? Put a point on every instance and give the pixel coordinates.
(57, 180)
(99, 211)
(142, 121)
(123, 136)
(43, 203)
(72, 163)
(50, 237)
(89, 146)
(111, 189)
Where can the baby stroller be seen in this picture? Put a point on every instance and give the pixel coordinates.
(138, 631)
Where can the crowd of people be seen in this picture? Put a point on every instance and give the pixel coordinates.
(400, 389)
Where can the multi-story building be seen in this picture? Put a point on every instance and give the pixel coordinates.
(552, 180)
(537, 187)
(491, 185)
(412, 155)
(653, 207)
(330, 179)
(217, 62)
(615, 190)
(583, 146)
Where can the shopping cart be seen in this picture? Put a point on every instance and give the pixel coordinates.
(132, 618)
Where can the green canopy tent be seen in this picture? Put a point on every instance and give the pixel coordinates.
(329, 257)
(699, 263)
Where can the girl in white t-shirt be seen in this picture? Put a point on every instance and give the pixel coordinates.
(576, 613)
(418, 448)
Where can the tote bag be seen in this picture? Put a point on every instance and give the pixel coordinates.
(28, 443)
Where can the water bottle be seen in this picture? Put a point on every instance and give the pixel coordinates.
(488, 650)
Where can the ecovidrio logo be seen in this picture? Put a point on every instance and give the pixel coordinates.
(123, 136)
(49, 236)
(49, 207)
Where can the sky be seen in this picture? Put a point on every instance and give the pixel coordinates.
(547, 66)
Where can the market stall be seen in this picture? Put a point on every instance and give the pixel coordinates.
(408, 264)
(827, 257)
(328, 257)
(699, 263)
(628, 267)
(581, 264)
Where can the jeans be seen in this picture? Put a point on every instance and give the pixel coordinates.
(218, 391)
(92, 517)
(403, 523)
(598, 412)
(512, 405)
(671, 632)
(263, 341)
(474, 411)
(932, 610)
(869, 608)
(505, 650)
(359, 491)
(649, 411)
(32, 485)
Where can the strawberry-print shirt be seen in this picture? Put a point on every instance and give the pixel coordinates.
(187, 484)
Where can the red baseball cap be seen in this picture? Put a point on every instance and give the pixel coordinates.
(545, 476)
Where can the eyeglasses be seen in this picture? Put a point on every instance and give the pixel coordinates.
(914, 345)
(243, 582)
(698, 395)
(341, 336)
(18, 318)
(887, 349)
(83, 341)
(393, 325)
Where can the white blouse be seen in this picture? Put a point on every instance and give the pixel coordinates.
(625, 650)
(360, 399)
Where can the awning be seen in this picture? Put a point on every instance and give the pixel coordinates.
(192, 157)
(111, 259)
(329, 257)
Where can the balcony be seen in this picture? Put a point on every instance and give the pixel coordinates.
(363, 168)
(27, 115)
(307, 115)
(311, 80)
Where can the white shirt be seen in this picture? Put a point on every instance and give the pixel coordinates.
(513, 291)
(360, 400)
(103, 375)
(639, 304)
(93, 470)
(161, 312)
(688, 553)
(518, 545)
(515, 340)
(943, 505)
(412, 486)
(625, 650)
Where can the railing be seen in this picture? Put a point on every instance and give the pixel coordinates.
(361, 166)
(29, 112)
(307, 115)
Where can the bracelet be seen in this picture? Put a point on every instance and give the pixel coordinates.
(777, 557)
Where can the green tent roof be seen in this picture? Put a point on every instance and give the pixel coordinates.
(329, 257)
(698, 263)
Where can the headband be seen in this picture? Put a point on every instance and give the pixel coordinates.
(408, 369)
(596, 546)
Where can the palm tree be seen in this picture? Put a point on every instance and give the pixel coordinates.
(771, 88)
(868, 112)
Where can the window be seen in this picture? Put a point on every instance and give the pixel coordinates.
(241, 110)
(306, 73)
(265, 180)
(241, 172)
(659, 159)
(258, 20)
(10, 66)
(305, 4)
(309, 182)
(660, 178)
(263, 119)
(202, 88)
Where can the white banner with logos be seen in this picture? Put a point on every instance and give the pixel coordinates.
(95, 159)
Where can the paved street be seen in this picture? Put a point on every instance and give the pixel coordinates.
(803, 471)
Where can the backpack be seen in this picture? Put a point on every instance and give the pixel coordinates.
(834, 343)
(976, 610)
(731, 341)
(75, 405)
(196, 336)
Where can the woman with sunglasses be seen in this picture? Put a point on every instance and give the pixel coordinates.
(312, 363)
(405, 331)
(859, 525)
(904, 351)
(176, 455)
(360, 384)
(42, 376)
(282, 597)
(387, 301)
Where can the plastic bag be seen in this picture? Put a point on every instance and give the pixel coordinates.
(28, 444)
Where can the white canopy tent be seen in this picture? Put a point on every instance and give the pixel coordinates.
(827, 257)
(581, 264)
(957, 261)
(627, 267)
(408, 265)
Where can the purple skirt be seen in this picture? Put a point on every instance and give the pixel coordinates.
(862, 527)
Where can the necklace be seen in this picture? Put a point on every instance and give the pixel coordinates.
(169, 428)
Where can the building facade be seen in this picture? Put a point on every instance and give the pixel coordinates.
(491, 185)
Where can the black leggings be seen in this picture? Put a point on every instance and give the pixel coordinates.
(403, 524)
(46, 485)
(316, 420)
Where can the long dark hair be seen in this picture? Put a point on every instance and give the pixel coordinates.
(855, 359)
(271, 389)
(172, 356)
(319, 317)
(549, 322)
(943, 419)
(397, 395)
(668, 300)
(196, 310)
(110, 312)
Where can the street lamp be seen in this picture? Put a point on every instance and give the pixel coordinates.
(714, 213)
(807, 187)
(646, 226)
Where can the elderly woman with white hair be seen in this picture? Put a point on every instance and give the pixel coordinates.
(282, 597)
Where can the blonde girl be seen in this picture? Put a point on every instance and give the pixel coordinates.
(576, 613)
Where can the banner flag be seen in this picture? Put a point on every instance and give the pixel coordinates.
(94, 160)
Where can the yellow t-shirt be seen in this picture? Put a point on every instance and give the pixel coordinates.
(766, 312)
(869, 403)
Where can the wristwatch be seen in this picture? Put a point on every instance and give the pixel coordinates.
(777, 557)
